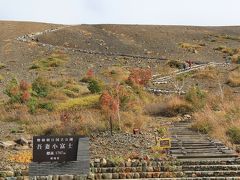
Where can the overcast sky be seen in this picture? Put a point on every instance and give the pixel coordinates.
(163, 12)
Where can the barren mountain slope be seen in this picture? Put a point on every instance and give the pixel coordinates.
(198, 44)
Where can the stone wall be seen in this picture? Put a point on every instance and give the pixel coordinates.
(107, 169)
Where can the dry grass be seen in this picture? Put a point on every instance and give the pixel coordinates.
(236, 58)
(80, 121)
(169, 107)
(233, 53)
(7, 48)
(234, 78)
(191, 47)
(2, 65)
(226, 50)
(1, 78)
(116, 73)
(86, 101)
(216, 120)
(131, 120)
(235, 38)
(209, 73)
(165, 70)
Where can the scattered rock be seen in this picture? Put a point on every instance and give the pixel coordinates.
(97, 160)
(22, 141)
(7, 144)
(187, 117)
(103, 161)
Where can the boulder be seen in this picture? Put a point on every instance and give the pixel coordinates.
(7, 144)
(66, 177)
(22, 141)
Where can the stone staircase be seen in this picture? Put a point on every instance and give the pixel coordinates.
(202, 157)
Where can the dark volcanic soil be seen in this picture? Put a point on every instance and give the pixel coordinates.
(152, 41)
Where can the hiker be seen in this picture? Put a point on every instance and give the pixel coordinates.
(189, 62)
(184, 66)
(228, 61)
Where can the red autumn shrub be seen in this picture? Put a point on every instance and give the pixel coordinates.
(25, 96)
(24, 86)
(14, 91)
(139, 76)
(90, 73)
(105, 102)
(109, 104)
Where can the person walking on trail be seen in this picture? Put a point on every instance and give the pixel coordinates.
(228, 61)
(189, 62)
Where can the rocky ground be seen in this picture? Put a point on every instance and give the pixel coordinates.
(101, 46)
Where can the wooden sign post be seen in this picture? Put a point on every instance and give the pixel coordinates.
(162, 144)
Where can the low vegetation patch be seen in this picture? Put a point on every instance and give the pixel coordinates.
(52, 61)
(116, 73)
(169, 107)
(1, 78)
(233, 53)
(234, 78)
(234, 134)
(196, 97)
(208, 73)
(191, 47)
(176, 64)
(217, 116)
(231, 37)
(204, 127)
(226, 50)
(2, 65)
(86, 101)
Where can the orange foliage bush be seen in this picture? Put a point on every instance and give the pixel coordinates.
(109, 104)
(21, 157)
(24, 86)
(90, 73)
(139, 76)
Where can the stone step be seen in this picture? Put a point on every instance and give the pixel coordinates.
(200, 178)
(192, 141)
(179, 144)
(207, 161)
(185, 135)
(201, 151)
(199, 147)
(143, 175)
(205, 155)
(168, 175)
(210, 167)
(220, 173)
(195, 142)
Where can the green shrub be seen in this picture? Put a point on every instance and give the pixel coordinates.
(70, 93)
(95, 86)
(1, 77)
(2, 65)
(196, 97)
(234, 134)
(12, 91)
(46, 105)
(41, 87)
(203, 127)
(53, 61)
(32, 105)
(86, 101)
(176, 64)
